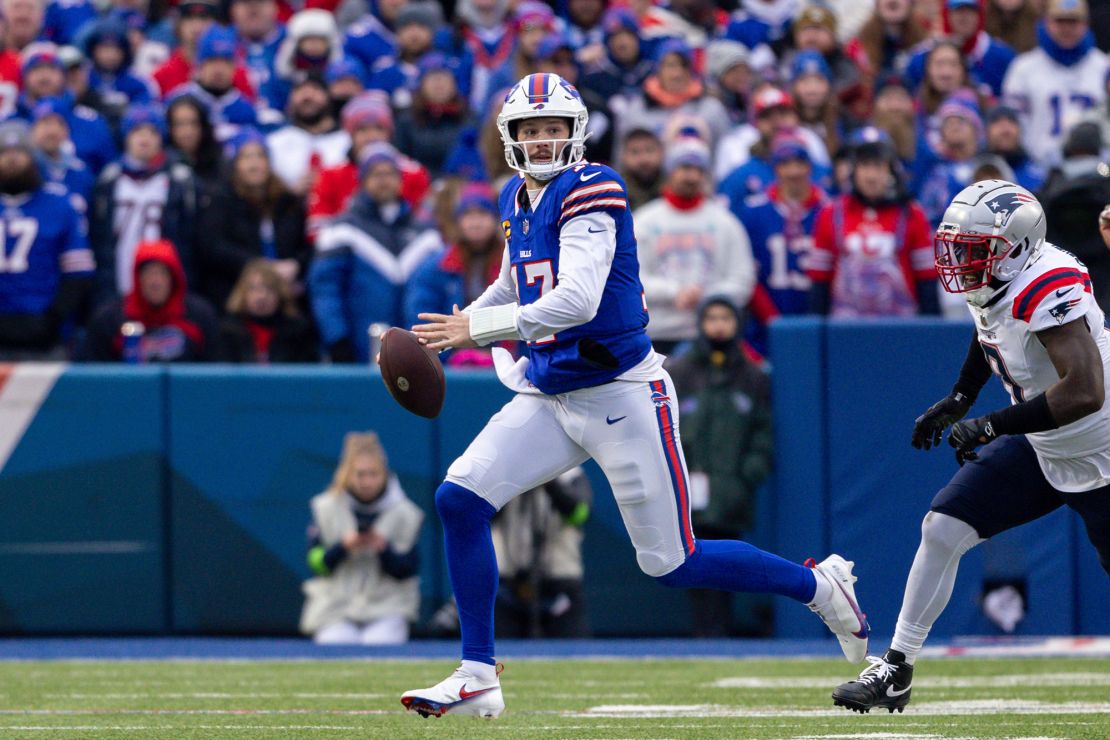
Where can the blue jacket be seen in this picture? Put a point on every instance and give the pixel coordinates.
(987, 64)
(360, 270)
(91, 137)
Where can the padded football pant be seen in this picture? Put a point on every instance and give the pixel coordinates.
(631, 429)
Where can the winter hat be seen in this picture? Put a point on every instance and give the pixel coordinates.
(686, 151)
(816, 15)
(770, 98)
(723, 55)
(437, 62)
(38, 53)
(476, 195)
(953, 4)
(617, 19)
(50, 106)
(198, 8)
(674, 46)
(424, 14)
(788, 144)
(552, 44)
(15, 134)
(809, 62)
(245, 135)
(999, 112)
(312, 22)
(956, 106)
(344, 68)
(218, 42)
(1066, 9)
(370, 107)
(143, 115)
(891, 80)
(998, 163)
(374, 153)
(534, 15)
(1084, 139)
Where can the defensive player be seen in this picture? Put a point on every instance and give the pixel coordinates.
(591, 386)
(1038, 328)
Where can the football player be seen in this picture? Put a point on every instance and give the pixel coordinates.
(1038, 328)
(590, 386)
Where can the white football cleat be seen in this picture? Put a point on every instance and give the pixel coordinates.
(460, 693)
(841, 612)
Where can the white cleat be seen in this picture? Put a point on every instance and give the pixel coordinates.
(460, 693)
(841, 613)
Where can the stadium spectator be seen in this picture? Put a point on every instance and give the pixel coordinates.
(414, 30)
(311, 140)
(43, 77)
(584, 28)
(50, 136)
(107, 47)
(260, 35)
(365, 258)
(1004, 139)
(945, 72)
(23, 23)
(176, 325)
(726, 439)
(311, 43)
(251, 215)
(362, 550)
(556, 55)
(191, 140)
(429, 129)
(1013, 22)
(471, 261)
(150, 34)
(815, 29)
(194, 18)
(46, 266)
(780, 223)
(759, 22)
(987, 58)
(346, 81)
(887, 39)
(369, 39)
(63, 20)
(367, 119)
(214, 71)
(689, 246)
(943, 166)
(534, 22)
(483, 37)
(1053, 85)
(10, 77)
(263, 325)
(814, 100)
(1074, 195)
(873, 248)
(537, 538)
(624, 66)
(894, 112)
(141, 198)
(743, 162)
(641, 166)
(729, 69)
(672, 88)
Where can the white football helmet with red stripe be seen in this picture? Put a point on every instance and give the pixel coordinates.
(986, 237)
(543, 96)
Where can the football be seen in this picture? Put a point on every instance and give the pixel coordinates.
(412, 373)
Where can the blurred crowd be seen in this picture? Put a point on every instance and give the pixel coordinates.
(263, 180)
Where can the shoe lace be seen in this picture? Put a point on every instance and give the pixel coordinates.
(878, 672)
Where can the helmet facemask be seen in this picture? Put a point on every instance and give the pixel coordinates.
(558, 155)
(966, 262)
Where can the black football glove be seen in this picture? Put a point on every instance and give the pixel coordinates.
(928, 428)
(965, 436)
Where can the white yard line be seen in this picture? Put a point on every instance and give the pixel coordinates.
(949, 708)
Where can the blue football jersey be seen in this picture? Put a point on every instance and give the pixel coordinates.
(43, 240)
(779, 251)
(614, 341)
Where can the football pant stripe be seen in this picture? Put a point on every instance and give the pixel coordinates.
(674, 465)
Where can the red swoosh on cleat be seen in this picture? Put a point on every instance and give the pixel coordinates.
(464, 694)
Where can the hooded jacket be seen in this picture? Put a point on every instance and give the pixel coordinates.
(183, 329)
(726, 428)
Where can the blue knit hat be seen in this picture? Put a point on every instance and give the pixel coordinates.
(245, 135)
(344, 68)
(374, 153)
(476, 195)
(38, 53)
(810, 62)
(218, 42)
(143, 115)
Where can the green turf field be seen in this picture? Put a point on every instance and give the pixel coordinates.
(558, 699)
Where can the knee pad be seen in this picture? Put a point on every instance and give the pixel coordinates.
(948, 533)
(455, 503)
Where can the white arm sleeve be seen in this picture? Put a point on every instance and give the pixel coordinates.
(587, 245)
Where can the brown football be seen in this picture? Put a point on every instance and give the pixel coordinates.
(412, 373)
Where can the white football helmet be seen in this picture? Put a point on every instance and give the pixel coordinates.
(543, 96)
(986, 237)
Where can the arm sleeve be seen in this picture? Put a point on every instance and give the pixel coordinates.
(975, 371)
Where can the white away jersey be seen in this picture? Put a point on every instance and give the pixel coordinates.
(1053, 289)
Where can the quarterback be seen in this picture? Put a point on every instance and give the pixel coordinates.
(1038, 328)
(590, 387)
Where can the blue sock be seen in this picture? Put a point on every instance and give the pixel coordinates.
(471, 564)
(734, 565)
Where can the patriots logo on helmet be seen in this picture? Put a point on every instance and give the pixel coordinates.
(1007, 204)
(1060, 310)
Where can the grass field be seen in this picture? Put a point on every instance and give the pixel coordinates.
(1011, 698)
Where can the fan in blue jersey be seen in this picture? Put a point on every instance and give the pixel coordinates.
(590, 387)
(46, 265)
(50, 135)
